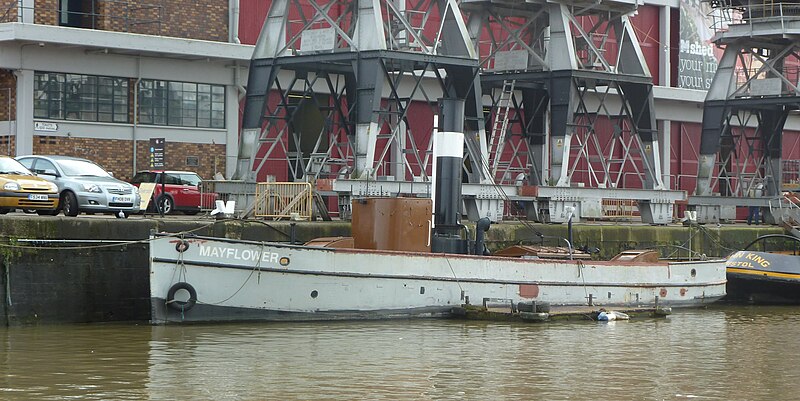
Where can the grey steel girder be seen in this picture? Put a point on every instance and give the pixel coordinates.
(370, 45)
(555, 60)
(751, 95)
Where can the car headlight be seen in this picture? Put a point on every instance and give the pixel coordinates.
(92, 188)
(11, 186)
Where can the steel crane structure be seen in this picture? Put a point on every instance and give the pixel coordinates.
(377, 72)
(753, 92)
(572, 105)
(559, 118)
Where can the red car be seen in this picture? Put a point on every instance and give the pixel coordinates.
(177, 191)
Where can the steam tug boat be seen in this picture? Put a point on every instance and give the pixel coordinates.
(767, 271)
(407, 258)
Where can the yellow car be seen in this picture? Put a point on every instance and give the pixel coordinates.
(21, 189)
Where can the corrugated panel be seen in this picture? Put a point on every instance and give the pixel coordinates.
(647, 28)
(252, 14)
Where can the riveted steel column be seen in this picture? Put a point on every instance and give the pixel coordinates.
(271, 44)
(535, 114)
(563, 94)
(714, 113)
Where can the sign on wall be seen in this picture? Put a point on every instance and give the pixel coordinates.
(45, 126)
(157, 152)
(697, 57)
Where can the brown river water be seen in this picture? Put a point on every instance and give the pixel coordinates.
(719, 353)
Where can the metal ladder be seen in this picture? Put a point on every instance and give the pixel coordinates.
(500, 124)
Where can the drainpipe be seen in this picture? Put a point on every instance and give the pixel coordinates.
(233, 37)
(233, 21)
(136, 113)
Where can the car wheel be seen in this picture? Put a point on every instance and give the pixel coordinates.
(166, 204)
(52, 212)
(70, 204)
(4, 210)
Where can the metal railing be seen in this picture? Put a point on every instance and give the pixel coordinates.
(110, 15)
(730, 13)
(289, 200)
(620, 209)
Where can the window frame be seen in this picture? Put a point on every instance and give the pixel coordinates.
(181, 104)
(78, 97)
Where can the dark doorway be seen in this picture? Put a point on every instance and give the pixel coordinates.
(309, 126)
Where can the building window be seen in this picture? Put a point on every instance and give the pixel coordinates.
(48, 96)
(80, 97)
(152, 102)
(182, 104)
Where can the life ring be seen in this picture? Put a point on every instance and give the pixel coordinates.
(182, 246)
(182, 306)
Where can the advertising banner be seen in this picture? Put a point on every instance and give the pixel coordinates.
(697, 57)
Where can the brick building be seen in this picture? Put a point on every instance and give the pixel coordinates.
(91, 78)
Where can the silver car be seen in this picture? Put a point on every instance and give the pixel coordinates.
(84, 186)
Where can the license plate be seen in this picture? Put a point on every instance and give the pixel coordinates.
(122, 199)
(37, 197)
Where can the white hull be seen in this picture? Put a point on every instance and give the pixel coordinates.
(243, 280)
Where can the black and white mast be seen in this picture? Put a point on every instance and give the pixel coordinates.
(448, 153)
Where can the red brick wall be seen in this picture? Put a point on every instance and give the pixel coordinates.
(8, 95)
(8, 145)
(192, 19)
(116, 155)
(211, 157)
(196, 19)
(46, 12)
(8, 10)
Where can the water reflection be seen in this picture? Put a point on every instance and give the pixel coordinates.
(719, 353)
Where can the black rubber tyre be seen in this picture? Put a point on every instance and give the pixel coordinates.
(165, 204)
(69, 203)
(4, 210)
(182, 306)
(49, 212)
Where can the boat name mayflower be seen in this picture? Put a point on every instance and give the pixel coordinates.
(239, 254)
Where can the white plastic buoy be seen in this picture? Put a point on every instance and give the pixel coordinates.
(611, 316)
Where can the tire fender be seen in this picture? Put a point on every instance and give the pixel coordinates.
(182, 306)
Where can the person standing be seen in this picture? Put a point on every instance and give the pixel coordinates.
(754, 211)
